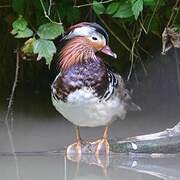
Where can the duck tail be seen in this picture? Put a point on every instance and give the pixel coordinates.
(134, 107)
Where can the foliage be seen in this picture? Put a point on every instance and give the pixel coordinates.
(98, 7)
(50, 31)
(43, 46)
(20, 29)
(137, 7)
(41, 21)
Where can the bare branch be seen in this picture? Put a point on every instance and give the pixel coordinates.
(91, 4)
(8, 112)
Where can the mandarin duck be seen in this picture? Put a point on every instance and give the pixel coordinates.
(85, 90)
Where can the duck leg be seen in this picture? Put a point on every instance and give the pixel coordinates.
(103, 144)
(75, 148)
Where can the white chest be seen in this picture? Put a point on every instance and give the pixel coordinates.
(83, 108)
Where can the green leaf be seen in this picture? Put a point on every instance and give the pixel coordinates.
(44, 48)
(98, 7)
(50, 30)
(20, 29)
(112, 8)
(24, 34)
(137, 7)
(19, 24)
(124, 11)
(27, 48)
(14, 32)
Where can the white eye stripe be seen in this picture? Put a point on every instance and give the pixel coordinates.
(81, 31)
(86, 31)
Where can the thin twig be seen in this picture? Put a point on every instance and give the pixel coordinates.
(155, 8)
(13, 88)
(59, 17)
(126, 31)
(174, 13)
(132, 60)
(139, 35)
(46, 16)
(116, 37)
(142, 26)
(8, 111)
(5, 6)
(130, 39)
(134, 48)
(91, 4)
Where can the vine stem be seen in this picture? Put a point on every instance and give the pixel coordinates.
(46, 15)
(49, 9)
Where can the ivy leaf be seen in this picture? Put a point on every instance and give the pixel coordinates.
(20, 29)
(98, 7)
(50, 30)
(112, 8)
(19, 24)
(124, 11)
(27, 48)
(44, 48)
(24, 34)
(137, 7)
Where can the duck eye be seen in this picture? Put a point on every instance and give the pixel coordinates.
(94, 38)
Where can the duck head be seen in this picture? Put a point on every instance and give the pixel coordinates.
(83, 41)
